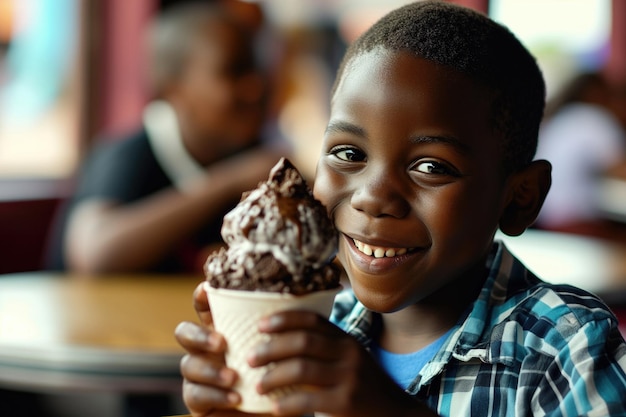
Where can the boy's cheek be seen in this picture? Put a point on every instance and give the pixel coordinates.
(321, 189)
(328, 187)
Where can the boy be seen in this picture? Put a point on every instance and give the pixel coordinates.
(428, 151)
(154, 200)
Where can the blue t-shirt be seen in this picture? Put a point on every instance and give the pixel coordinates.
(403, 367)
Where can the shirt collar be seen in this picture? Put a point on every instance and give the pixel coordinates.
(506, 275)
(472, 339)
(164, 136)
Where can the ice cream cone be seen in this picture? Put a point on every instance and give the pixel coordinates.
(236, 315)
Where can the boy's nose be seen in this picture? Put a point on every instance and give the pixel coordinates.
(379, 198)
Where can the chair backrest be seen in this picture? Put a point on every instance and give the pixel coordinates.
(24, 229)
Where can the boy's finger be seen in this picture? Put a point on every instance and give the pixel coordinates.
(297, 320)
(301, 372)
(302, 402)
(282, 346)
(202, 370)
(201, 304)
(201, 399)
(195, 338)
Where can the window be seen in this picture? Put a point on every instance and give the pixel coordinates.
(41, 87)
(566, 36)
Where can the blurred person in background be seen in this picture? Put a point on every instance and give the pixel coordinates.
(154, 201)
(583, 137)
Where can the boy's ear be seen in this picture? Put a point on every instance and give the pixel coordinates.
(528, 190)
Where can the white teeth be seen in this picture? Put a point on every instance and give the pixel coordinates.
(379, 252)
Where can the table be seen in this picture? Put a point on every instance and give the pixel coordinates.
(108, 333)
(596, 265)
(116, 332)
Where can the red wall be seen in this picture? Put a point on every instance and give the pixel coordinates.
(121, 93)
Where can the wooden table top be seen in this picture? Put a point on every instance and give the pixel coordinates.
(79, 333)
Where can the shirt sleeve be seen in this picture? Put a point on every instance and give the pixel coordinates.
(587, 376)
(124, 171)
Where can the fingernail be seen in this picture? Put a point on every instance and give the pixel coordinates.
(265, 324)
(232, 398)
(252, 357)
(270, 323)
(213, 340)
(227, 376)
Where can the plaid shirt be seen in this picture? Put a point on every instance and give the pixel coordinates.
(524, 348)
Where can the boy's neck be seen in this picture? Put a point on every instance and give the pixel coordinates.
(412, 329)
(420, 324)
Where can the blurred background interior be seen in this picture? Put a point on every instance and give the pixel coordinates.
(71, 72)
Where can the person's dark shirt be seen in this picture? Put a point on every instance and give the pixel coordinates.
(126, 171)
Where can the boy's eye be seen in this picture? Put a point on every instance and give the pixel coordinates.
(348, 154)
(433, 167)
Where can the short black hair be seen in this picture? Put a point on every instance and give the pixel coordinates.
(468, 41)
(171, 35)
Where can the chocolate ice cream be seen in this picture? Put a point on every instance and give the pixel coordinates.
(279, 237)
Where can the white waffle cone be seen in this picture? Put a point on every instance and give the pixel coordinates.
(236, 315)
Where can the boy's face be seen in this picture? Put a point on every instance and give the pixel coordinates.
(223, 107)
(410, 171)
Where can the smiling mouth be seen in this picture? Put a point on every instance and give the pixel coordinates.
(379, 251)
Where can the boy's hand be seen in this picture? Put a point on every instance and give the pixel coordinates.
(207, 381)
(340, 376)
